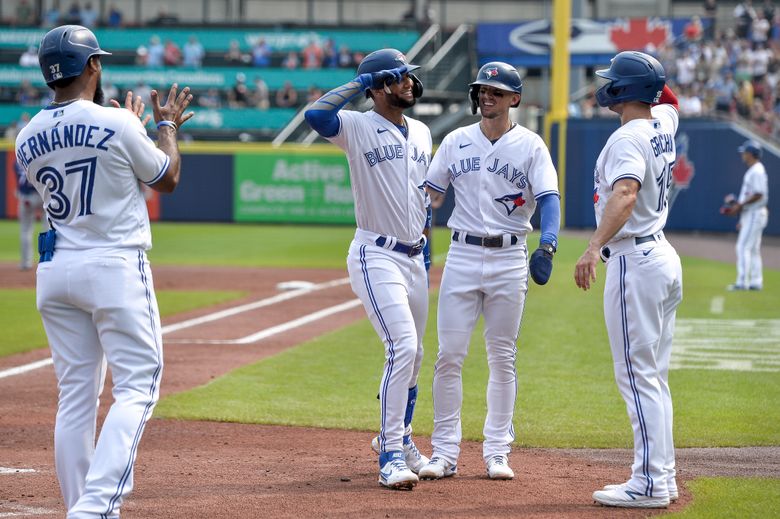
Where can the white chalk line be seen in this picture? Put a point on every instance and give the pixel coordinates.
(24, 510)
(222, 314)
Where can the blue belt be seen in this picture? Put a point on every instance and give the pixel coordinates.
(485, 241)
(409, 250)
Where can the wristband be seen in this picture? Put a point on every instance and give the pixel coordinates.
(168, 123)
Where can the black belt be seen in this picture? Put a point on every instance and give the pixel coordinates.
(638, 240)
(409, 250)
(485, 241)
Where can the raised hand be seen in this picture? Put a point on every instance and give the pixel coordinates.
(377, 80)
(136, 106)
(173, 109)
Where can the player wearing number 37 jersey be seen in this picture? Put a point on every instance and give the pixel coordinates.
(94, 285)
(643, 284)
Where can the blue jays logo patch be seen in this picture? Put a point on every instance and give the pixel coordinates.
(511, 202)
(491, 72)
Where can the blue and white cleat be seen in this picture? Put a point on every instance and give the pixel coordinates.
(413, 457)
(622, 496)
(393, 472)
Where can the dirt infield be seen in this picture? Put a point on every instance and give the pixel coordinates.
(206, 469)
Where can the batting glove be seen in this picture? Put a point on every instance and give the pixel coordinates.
(541, 263)
(377, 80)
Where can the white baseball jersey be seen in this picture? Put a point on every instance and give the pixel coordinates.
(642, 149)
(755, 181)
(383, 162)
(91, 193)
(642, 290)
(496, 185)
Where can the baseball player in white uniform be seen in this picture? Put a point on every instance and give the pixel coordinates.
(94, 285)
(500, 171)
(29, 210)
(388, 156)
(751, 206)
(644, 278)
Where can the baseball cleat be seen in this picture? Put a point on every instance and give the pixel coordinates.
(674, 494)
(624, 497)
(734, 287)
(415, 460)
(438, 468)
(393, 472)
(498, 467)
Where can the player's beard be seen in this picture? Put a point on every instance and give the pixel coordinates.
(397, 101)
(99, 98)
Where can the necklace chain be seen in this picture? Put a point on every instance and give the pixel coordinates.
(60, 103)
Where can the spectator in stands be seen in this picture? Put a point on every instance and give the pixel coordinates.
(234, 56)
(164, 18)
(745, 99)
(693, 31)
(53, 16)
(312, 55)
(73, 16)
(114, 17)
(261, 54)
(287, 96)
(29, 58)
(28, 95)
(291, 62)
(744, 14)
(686, 67)
(313, 93)
(25, 14)
(260, 94)
(239, 95)
(89, 16)
(768, 10)
(689, 102)
(143, 91)
(141, 56)
(211, 99)
(156, 51)
(110, 91)
(759, 31)
(330, 58)
(171, 54)
(345, 57)
(724, 89)
(193, 52)
(710, 18)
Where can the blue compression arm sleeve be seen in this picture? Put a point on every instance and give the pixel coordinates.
(550, 212)
(322, 115)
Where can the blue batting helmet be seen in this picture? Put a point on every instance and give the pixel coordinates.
(388, 59)
(496, 74)
(752, 147)
(65, 50)
(633, 76)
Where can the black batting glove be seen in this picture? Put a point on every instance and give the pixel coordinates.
(541, 263)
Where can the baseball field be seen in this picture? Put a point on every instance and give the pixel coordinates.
(269, 390)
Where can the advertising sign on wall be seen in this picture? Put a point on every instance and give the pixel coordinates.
(293, 188)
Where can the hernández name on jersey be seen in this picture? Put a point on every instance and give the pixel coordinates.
(395, 151)
(64, 136)
(499, 167)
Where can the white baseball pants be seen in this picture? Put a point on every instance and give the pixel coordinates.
(394, 290)
(492, 282)
(749, 265)
(642, 290)
(99, 307)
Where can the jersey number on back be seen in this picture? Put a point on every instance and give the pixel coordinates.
(664, 181)
(60, 205)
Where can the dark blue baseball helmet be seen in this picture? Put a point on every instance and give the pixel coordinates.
(388, 59)
(752, 147)
(496, 74)
(632, 76)
(65, 50)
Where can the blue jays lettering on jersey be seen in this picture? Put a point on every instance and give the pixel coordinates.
(394, 152)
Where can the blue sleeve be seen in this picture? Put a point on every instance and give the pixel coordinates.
(323, 116)
(550, 213)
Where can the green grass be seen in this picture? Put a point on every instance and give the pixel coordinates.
(567, 395)
(21, 322)
(738, 498)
